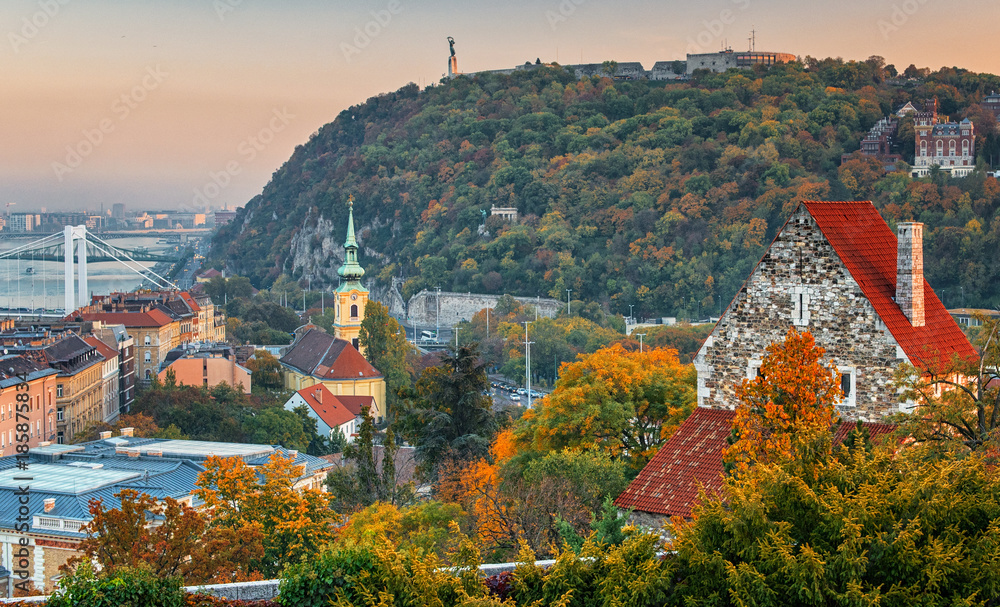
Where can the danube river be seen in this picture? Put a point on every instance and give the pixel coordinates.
(41, 286)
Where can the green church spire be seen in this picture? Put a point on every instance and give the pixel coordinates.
(351, 271)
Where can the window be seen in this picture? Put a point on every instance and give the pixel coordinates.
(59, 391)
(147, 342)
(354, 342)
(148, 357)
(753, 369)
(800, 306)
(354, 310)
(59, 414)
(848, 385)
(59, 438)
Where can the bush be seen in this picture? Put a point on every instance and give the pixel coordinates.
(125, 588)
(364, 574)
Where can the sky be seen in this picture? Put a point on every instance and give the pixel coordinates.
(166, 104)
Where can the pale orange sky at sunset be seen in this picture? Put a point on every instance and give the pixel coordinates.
(161, 94)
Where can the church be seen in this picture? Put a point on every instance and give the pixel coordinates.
(334, 361)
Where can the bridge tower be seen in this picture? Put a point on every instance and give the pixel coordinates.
(76, 235)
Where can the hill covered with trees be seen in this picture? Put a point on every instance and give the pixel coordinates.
(660, 195)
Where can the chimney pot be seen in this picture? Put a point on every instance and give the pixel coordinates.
(910, 271)
(128, 431)
(50, 504)
(105, 435)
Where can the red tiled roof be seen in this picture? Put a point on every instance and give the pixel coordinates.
(332, 409)
(104, 349)
(210, 273)
(190, 301)
(692, 459)
(876, 431)
(152, 318)
(867, 247)
(355, 404)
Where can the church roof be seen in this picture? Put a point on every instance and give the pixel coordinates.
(325, 357)
(868, 248)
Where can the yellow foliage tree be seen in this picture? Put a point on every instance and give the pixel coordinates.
(294, 523)
(626, 403)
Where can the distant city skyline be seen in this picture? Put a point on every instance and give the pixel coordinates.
(165, 105)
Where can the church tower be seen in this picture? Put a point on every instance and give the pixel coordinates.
(351, 296)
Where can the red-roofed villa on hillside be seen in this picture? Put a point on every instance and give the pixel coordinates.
(836, 270)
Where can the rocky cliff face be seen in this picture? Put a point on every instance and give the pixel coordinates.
(317, 249)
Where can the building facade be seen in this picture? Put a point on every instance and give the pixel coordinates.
(951, 146)
(836, 270)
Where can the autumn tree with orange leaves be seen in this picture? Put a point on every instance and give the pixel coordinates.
(295, 523)
(625, 403)
(182, 544)
(788, 409)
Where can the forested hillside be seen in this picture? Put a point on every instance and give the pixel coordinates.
(660, 195)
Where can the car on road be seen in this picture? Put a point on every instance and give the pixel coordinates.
(515, 397)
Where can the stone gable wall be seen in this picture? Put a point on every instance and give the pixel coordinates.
(802, 266)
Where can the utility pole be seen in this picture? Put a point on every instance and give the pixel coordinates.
(437, 316)
(640, 336)
(630, 317)
(456, 337)
(527, 361)
(487, 323)
(568, 291)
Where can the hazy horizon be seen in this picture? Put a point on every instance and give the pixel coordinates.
(155, 99)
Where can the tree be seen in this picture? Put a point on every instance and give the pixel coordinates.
(957, 402)
(180, 544)
(625, 403)
(384, 344)
(869, 527)
(787, 411)
(142, 426)
(450, 415)
(266, 370)
(277, 426)
(263, 500)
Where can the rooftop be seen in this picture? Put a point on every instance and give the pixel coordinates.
(324, 356)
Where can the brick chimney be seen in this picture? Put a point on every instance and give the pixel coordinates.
(131, 431)
(49, 504)
(910, 271)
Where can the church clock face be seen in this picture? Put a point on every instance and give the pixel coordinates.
(354, 296)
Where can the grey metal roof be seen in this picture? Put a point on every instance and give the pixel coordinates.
(72, 475)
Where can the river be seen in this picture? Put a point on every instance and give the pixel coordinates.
(43, 286)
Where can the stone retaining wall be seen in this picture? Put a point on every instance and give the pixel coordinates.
(456, 307)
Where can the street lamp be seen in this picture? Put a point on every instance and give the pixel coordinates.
(640, 336)
(630, 317)
(568, 291)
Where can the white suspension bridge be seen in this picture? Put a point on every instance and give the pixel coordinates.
(87, 248)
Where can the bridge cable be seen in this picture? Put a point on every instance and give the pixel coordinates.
(164, 282)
